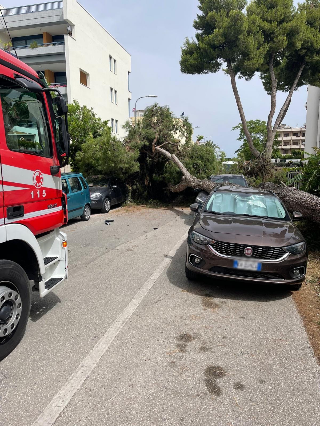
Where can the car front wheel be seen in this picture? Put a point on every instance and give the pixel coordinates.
(106, 206)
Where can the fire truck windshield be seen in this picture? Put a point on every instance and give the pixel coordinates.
(25, 121)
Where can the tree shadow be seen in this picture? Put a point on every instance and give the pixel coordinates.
(40, 306)
(184, 213)
(222, 289)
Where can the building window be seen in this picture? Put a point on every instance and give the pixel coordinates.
(129, 83)
(116, 128)
(129, 109)
(110, 62)
(115, 66)
(303, 134)
(286, 135)
(111, 94)
(296, 134)
(116, 97)
(84, 78)
(112, 125)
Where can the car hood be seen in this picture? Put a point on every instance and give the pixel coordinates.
(244, 230)
(97, 189)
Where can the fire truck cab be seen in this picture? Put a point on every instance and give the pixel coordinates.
(34, 144)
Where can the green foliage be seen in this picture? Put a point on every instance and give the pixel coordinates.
(34, 45)
(311, 174)
(107, 156)
(83, 125)
(258, 131)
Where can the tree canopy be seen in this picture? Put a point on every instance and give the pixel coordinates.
(273, 38)
(83, 124)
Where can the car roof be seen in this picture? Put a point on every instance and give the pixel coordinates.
(70, 174)
(236, 188)
(227, 175)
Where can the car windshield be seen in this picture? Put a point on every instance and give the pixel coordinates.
(235, 203)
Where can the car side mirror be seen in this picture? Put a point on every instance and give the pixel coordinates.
(297, 216)
(194, 207)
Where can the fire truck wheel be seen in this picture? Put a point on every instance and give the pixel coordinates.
(86, 212)
(106, 206)
(15, 296)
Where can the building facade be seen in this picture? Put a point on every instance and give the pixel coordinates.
(291, 139)
(313, 119)
(75, 53)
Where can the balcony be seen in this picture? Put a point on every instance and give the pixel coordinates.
(44, 53)
(54, 48)
(33, 15)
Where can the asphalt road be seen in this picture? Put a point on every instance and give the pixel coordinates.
(127, 340)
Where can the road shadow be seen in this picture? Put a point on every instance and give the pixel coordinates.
(184, 213)
(41, 306)
(222, 289)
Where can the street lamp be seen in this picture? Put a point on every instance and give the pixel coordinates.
(135, 105)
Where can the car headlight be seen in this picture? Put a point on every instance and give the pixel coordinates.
(299, 248)
(95, 195)
(200, 239)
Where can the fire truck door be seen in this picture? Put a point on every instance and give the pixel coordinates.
(32, 195)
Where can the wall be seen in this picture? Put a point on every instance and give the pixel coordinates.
(88, 49)
(313, 119)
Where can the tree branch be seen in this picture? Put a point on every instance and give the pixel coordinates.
(188, 181)
(253, 149)
(286, 104)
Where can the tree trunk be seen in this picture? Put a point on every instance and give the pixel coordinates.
(253, 149)
(293, 199)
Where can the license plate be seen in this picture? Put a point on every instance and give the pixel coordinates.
(247, 265)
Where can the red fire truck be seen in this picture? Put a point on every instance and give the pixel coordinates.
(34, 144)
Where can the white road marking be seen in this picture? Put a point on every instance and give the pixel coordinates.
(63, 397)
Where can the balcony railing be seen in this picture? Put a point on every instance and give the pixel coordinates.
(20, 10)
(54, 43)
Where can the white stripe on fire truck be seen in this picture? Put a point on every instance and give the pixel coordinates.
(12, 188)
(24, 176)
(1, 221)
(35, 214)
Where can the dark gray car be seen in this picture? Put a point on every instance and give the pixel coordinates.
(106, 192)
(246, 234)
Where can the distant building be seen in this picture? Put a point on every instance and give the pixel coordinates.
(313, 119)
(76, 54)
(291, 139)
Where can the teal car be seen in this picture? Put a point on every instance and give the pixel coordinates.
(76, 188)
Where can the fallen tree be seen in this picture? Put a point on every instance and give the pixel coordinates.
(293, 199)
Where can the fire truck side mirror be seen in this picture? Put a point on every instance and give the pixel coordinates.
(64, 136)
(62, 107)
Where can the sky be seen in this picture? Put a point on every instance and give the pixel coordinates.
(153, 32)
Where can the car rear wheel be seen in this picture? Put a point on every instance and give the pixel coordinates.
(86, 213)
(192, 276)
(15, 298)
(106, 206)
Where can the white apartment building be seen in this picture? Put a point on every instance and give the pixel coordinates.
(291, 139)
(76, 54)
(313, 119)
